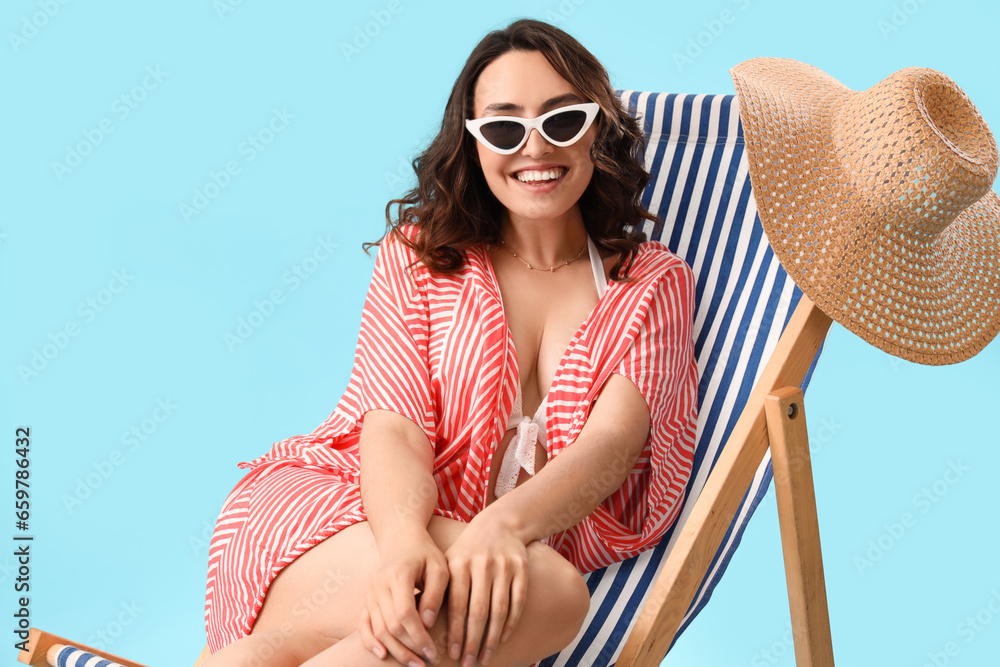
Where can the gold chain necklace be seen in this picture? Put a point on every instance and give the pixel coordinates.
(551, 268)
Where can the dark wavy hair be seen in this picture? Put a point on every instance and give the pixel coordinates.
(452, 206)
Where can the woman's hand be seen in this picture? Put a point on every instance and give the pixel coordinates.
(488, 566)
(391, 622)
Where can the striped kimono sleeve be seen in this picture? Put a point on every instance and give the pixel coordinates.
(662, 365)
(391, 369)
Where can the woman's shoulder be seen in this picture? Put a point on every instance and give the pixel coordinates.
(397, 247)
(653, 259)
(658, 275)
(399, 239)
(398, 262)
(401, 242)
(401, 258)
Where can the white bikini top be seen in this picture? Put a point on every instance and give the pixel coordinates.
(531, 430)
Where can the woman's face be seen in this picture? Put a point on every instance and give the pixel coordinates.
(524, 84)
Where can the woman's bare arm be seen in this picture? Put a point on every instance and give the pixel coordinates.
(570, 486)
(399, 495)
(397, 487)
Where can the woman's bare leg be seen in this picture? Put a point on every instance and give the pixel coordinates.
(330, 580)
(270, 649)
(319, 596)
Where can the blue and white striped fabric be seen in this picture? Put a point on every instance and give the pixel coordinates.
(71, 656)
(744, 298)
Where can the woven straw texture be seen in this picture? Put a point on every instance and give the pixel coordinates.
(879, 203)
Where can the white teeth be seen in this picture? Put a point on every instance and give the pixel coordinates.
(534, 176)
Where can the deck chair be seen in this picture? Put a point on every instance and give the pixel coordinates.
(744, 301)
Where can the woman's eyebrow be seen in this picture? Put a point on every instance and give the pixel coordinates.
(548, 104)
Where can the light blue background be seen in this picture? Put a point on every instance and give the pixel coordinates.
(135, 549)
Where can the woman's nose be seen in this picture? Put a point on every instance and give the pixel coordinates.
(536, 144)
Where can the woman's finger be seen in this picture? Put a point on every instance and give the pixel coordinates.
(518, 598)
(407, 626)
(435, 584)
(479, 610)
(395, 648)
(499, 609)
(367, 637)
(458, 603)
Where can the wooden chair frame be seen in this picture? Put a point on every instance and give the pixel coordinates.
(773, 415)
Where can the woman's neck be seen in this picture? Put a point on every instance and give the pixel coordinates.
(545, 242)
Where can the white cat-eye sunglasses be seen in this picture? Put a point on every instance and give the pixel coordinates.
(561, 127)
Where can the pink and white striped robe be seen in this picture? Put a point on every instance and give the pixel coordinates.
(436, 349)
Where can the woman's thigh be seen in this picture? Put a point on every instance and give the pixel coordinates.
(324, 589)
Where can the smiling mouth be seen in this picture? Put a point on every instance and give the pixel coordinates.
(540, 176)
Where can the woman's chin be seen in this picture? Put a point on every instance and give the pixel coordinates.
(538, 208)
(537, 215)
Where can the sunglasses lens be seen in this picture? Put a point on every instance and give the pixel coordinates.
(503, 134)
(564, 126)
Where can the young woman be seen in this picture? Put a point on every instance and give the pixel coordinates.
(521, 409)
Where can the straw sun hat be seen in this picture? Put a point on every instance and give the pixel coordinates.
(879, 203)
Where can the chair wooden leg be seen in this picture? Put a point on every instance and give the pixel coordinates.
(793, 487)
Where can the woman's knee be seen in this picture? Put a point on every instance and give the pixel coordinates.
(563, 591)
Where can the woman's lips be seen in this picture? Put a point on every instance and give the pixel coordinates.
(541, 179)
